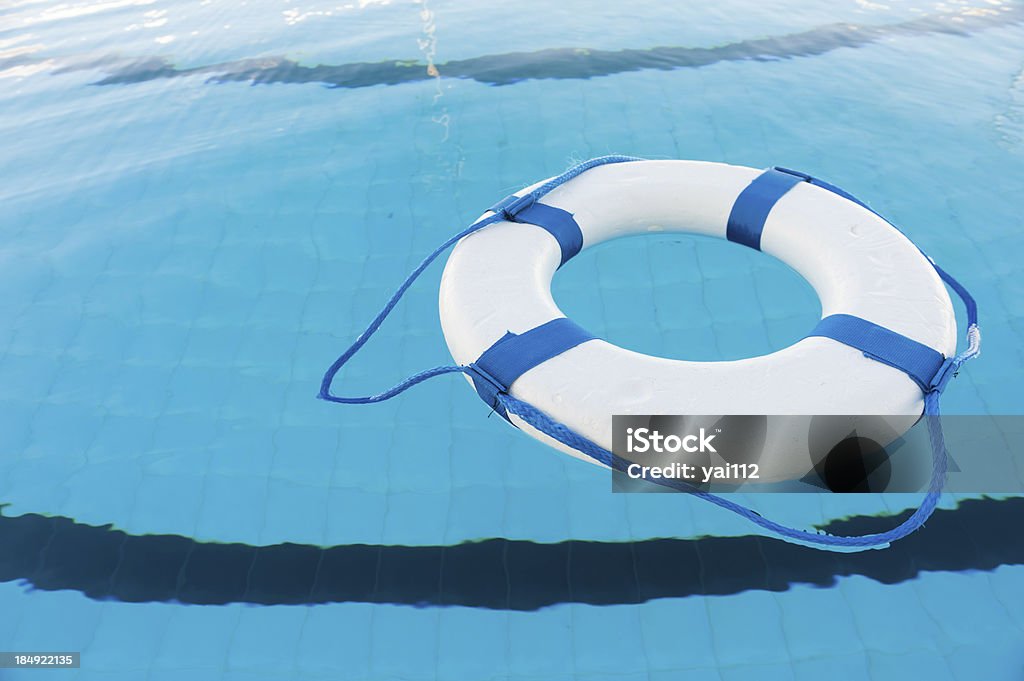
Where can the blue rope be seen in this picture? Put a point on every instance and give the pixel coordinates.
(570, 438)
(325, 384)
(565, 435)
(578, 170)
(328, 379)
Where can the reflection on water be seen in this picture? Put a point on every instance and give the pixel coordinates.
(1010, 123)
(81, 9)
(555, 63)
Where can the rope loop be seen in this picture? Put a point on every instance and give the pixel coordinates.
(565, 435)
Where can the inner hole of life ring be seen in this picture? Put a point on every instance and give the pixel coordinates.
(687, 297)
(699, 298)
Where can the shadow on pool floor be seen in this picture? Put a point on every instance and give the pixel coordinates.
(56, 553)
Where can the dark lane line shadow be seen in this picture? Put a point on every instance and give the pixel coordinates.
(56, 553)
(558, 63)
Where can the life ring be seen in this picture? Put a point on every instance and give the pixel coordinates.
(497, 286)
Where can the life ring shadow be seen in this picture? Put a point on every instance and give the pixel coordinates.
(103, 563)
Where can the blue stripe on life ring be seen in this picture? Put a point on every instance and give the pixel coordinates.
(513, 355)
(755, 202)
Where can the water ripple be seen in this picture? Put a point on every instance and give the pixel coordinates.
(552, 63)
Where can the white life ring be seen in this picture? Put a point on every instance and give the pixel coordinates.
(498, 280)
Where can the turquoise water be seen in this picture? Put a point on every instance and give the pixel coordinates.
(196, 221)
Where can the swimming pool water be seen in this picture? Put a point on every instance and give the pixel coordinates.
(204, 203)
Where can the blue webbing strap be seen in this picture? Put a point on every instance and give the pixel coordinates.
(748, 215)
(558, 223)
(917, 360)
(513, 355)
